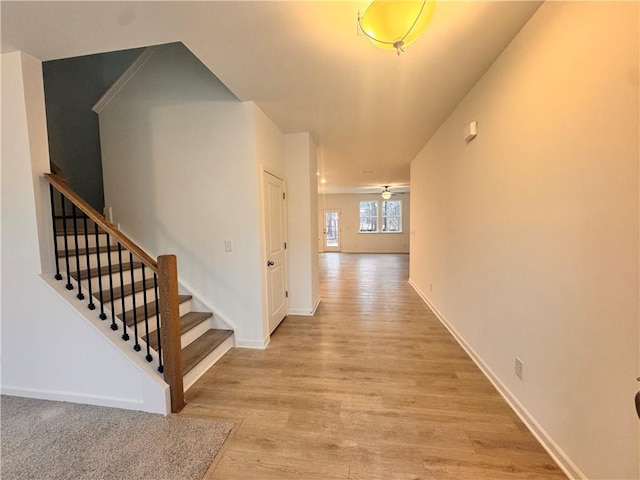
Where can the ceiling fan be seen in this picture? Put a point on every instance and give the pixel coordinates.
(386, 193)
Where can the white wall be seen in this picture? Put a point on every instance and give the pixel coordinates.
(48, 350)
(269, 144)
(269, 157)
(352, 240)
(186, 194)
(528, 235)
(302, 192)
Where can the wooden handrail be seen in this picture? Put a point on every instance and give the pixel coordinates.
(167, 274)
(99, 219)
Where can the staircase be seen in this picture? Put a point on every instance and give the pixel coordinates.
(131, 299)
(123, 287)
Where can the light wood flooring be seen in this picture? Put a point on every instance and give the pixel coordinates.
(371, 387)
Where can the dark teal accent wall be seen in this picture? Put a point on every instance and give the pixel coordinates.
(72, 86)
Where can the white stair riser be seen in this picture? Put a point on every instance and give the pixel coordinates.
(153, 326)
(93, 260)
(187, 338)
(71, 243)
(184, 308)
(128, 300)
(195, 333)
(206, 363)
(115, 276)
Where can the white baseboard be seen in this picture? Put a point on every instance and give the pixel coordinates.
(372, 252)
(102, 401)
(305, 313)
(552, 448)
(316, 305)
(257, 344)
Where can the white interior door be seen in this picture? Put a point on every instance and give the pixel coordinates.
(332, 237)
(274, 214)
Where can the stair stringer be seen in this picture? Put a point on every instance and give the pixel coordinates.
(217, 320)
(155, 391)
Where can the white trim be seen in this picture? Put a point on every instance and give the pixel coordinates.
(553, 449)
(128, 74)
(305, 313)
(370, 252)
(316, 305)
(100, 400)
(257, 344)
(207, 362)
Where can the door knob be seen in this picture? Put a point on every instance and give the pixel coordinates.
(270, 263)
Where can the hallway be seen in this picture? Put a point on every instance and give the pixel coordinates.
(372, 387)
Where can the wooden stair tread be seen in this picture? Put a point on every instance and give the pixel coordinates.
(80, 231)
(193, 353)
(187, 322)
(105, 270)
(151, 310)
(79, 228)
(137, 287)
(83, 251)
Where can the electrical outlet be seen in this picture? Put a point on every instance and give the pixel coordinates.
(519, 368)
(431, 287)
(228, 246)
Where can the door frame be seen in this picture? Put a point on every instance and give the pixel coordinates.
(324, 230)
(265, 291)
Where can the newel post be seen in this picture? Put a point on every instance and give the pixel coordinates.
(170, 328)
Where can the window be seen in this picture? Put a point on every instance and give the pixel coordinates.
(369, 216)
(390, 218)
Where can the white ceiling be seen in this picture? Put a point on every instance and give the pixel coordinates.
(303, 63)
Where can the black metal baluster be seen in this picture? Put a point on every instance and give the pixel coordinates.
(102, 315)
(68, 286)
(57, 276)
(80, 296)
(125, 335)
(146, 313)
(91, 305)
(155, 287)
(136, 346)
(114, 325)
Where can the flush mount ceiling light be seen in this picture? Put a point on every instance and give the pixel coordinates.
(395, 24)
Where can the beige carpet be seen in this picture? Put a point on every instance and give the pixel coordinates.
(43, 440)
